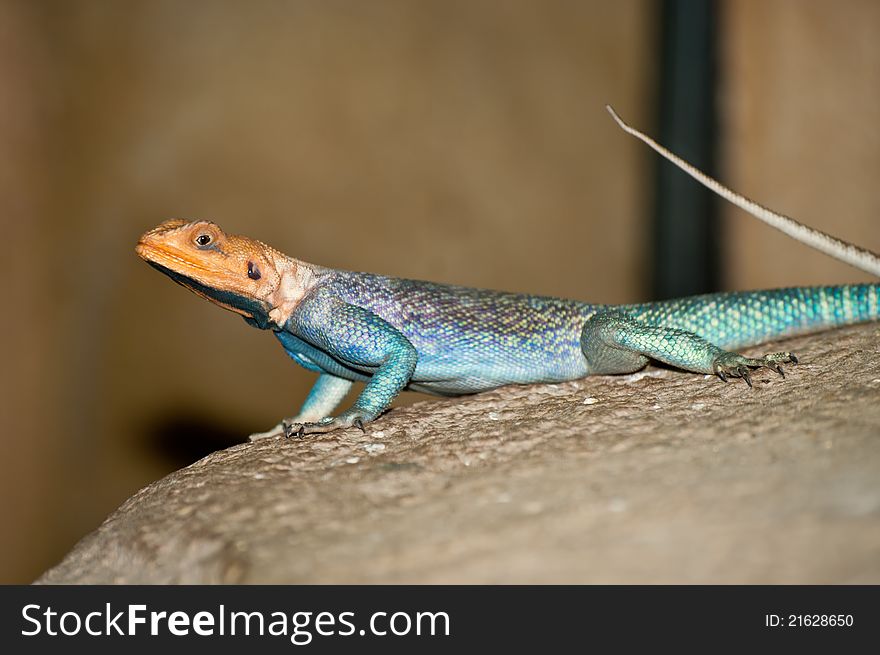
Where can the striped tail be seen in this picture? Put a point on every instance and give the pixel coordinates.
(745, 318)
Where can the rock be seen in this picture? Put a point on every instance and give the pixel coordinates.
(658, 477)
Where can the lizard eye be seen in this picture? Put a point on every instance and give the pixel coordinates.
(253, 271)
(203, 240)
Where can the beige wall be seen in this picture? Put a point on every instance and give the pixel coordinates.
(29, 398)
(801, 104)
(458, 141)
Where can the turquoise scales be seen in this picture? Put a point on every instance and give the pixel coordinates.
(734, 320)
(393, 333)
(465, 340)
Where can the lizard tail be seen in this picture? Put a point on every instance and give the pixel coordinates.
(746, 318)
(861, 258)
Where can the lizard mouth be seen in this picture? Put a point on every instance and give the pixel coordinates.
(157, 255)
(198, 278)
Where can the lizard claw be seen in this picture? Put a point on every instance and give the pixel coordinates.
(733, 365)
(347, 419)
(293, 430)
(776, 367)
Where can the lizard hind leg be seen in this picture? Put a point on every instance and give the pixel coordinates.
(606, 348)
(615, 342)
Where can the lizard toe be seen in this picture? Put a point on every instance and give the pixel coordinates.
(350, 418)
(730, 364)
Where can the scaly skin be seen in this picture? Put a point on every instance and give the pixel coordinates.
(399, 334)
(395, 334)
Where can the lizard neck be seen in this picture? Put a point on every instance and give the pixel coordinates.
(235, 272)
(296, 280)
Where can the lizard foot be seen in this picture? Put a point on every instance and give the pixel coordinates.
(277, 431)
(347, 419)
(731, 365)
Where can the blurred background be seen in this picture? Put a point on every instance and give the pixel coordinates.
(462, 141)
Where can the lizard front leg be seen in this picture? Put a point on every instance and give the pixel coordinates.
(614, 342)
(361, 340)
(325, 396)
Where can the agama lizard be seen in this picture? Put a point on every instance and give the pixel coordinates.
(397, 334)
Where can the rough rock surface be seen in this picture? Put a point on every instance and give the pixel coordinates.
(658, 477)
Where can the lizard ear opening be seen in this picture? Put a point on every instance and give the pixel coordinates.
(253, 271)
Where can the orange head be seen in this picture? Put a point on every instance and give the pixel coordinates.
(235, 272)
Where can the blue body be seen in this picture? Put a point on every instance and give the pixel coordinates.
(396, 333)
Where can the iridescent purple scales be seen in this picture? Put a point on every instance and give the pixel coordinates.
(467, 340)
(473, 339)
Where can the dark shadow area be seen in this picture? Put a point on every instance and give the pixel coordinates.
(183, 436)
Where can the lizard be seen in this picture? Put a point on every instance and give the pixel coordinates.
(395, 334)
